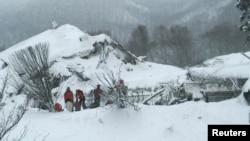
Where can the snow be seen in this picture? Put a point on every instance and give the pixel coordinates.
(60, 41)
(234, 65)
(184, 122)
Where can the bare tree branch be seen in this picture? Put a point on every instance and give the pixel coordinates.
(32, 65)
(108, 81)
(9, 122)
(4, 85)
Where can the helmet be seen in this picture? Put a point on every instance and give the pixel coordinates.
(68, 88)
(98, 85)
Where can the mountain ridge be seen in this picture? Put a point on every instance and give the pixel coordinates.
(118, 17)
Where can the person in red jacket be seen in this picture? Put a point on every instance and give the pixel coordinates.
(68, 95)
(81, 98)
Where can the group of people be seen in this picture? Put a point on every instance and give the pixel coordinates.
(78, 101)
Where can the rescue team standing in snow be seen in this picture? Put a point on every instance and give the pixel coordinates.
(79, 102)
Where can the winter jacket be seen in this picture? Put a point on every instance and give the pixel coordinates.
(68, 96)
(97, 93)
(80, 95)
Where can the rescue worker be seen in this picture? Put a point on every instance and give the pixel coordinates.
(58, 107)
(81, 98)
(69, 99)
(97, 95)
(68, 95)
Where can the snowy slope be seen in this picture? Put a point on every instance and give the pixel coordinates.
(67, 57)
(64, 42)
(183, 122)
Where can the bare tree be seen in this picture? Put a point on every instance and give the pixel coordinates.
(181, 42)
(139, 41)
(161, 52)
(4, 84)
(16, 82)
(172, 45)
(9, 121)
(32, 65)
(110, 93)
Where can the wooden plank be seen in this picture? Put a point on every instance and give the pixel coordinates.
(154, 95)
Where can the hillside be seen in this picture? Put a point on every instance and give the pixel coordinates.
(72, 60)
(68, 54)
(119, 17)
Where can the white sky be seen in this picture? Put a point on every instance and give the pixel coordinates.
(183, 122)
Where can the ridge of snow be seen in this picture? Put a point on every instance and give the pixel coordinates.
(60, 40)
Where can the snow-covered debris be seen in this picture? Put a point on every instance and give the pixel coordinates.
(223, 76)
